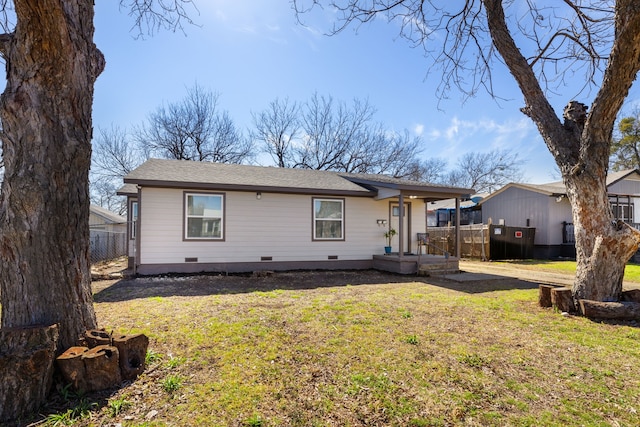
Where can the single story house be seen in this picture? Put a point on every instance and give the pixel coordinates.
(546, 208)
(200, 216)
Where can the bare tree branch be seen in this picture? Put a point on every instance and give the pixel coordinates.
(194, 129)
(151, 16)
(278, 128)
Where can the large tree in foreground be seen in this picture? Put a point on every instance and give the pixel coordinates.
(543, 45)
(52, 64)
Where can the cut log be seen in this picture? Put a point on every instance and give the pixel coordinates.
(26, 369)
(562, 299)
(544, 295)
(624, 310)
(96, 337)
(72, 367)
(632, 295)
(102, 368)
(90, 369)
(133, 352)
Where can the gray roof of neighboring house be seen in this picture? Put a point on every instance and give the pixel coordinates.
(206, 175)
(557, 188)
(107, 215)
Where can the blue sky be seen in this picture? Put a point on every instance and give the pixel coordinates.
(252, 52)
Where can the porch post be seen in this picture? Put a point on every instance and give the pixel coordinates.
(458, 227)
(401, 226)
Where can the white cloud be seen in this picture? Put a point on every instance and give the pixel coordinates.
(460, 136)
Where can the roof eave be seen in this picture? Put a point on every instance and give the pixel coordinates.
(247, 188)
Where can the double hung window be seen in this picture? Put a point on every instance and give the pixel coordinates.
(204, 216)
(328, 219)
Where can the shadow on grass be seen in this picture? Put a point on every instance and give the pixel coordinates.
(216, 284)
(476, 283)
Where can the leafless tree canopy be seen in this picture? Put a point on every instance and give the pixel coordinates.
(278, 128)
(326, 134)
(194, 129)
(486, 172)
(114, 155)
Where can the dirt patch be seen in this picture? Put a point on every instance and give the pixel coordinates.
(128, 287)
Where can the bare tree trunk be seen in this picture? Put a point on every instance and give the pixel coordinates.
(603, 246)
(581, 147)
(52, 64)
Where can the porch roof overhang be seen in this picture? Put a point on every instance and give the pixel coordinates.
(428, 193)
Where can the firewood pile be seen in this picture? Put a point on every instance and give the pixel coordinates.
(104, 362)
(560, 298)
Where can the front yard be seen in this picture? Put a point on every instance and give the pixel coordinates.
(363, 348)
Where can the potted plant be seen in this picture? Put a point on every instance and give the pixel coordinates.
(389, 235)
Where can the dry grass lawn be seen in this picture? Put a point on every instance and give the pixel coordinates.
(358, 349)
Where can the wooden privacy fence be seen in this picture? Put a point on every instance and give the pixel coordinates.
(474, 241)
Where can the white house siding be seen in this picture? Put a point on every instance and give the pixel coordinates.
(277, 226)
(516, 205)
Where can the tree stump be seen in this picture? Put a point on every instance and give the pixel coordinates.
(624, 310)
(102, 366)
(91, 369)
(96, 337)
(71, 366)
(562, 299)
(133, 352)
(544, 295)
(26, 369)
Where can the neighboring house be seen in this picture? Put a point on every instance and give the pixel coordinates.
(443, 213)
(546, 208)
(108, 234)
(105, 220)
(199, 216)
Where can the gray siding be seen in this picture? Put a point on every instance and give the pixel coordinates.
(628, 186)
(516, 205)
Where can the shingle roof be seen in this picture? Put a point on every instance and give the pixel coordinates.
(558, 188)
(178, 173)
(188, 174)
(107, 215)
